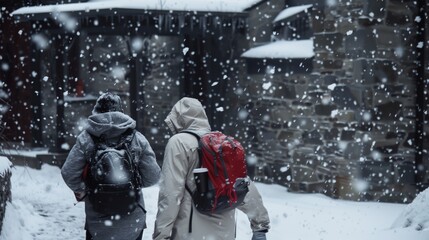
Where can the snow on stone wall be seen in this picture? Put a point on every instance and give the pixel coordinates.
(345, 128)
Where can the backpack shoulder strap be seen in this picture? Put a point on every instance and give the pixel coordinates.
(127, 136)
(96, 140)
(199, 164)
(192, 133)
(200, 154)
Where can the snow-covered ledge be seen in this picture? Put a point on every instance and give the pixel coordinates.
(282, 49)
(288, 12)
(5, 186)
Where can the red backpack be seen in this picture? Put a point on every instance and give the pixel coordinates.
(224, 157)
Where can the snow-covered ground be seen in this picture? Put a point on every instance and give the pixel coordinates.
(44, 208)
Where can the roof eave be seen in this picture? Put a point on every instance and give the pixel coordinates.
(118, 12)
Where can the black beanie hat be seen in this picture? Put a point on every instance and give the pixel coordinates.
(108, 102)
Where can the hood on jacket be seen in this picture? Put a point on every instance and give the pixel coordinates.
(188, 114)
(110, 124)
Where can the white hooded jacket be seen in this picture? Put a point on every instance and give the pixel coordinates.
(173, 219)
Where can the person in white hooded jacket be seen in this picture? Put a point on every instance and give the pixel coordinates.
(175, 218)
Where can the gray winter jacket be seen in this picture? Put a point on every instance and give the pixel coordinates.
(174, 202)
(112, 125)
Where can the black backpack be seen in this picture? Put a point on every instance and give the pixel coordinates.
(113, 179)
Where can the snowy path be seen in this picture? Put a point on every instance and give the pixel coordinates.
(43, 209)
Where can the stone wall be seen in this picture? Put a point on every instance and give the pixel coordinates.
(366, 51)
(347, 129)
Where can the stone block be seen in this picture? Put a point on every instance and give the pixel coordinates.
(331, 134)
(346, 116)
(325, 123)
(345, 26)
(281, 114)
(345, 189)
(262, 174)
(260, 112)
(254, 89)
(387, 37)
(328, 65)
(327, 25)
(317, 18)
(288, 135)
(301, 90)
(304, 156)
(284, 91)
(328, 41)
(324, 110)
(308, 187)
(265, 135)
(356, 150)
(339, 165)
(360, 43)
(370, 135)
(387, 111)
(344, 98)
(303, 111)
(376, 172)
(315, 93)
(271, 147)
(404, 172)
(398, 18)
(348, 135)
(388, 146)
(303, 123)
(329, 79)
(325, 174)
(375, 9)
(312, 137)
(374, 71)
(364, 21)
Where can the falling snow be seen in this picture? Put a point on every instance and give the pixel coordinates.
(328, 97)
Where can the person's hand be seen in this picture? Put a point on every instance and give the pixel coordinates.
(79, 196)
(259, 236)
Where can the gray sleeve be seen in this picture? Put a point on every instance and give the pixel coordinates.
(255, 210)
(73, 167)
(149, 169)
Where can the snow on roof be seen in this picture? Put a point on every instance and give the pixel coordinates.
(282, 50)
(5, 165)
(291, 11)
(167, 5)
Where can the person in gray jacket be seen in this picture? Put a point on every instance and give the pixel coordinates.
(174, 219)
(109, 121)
